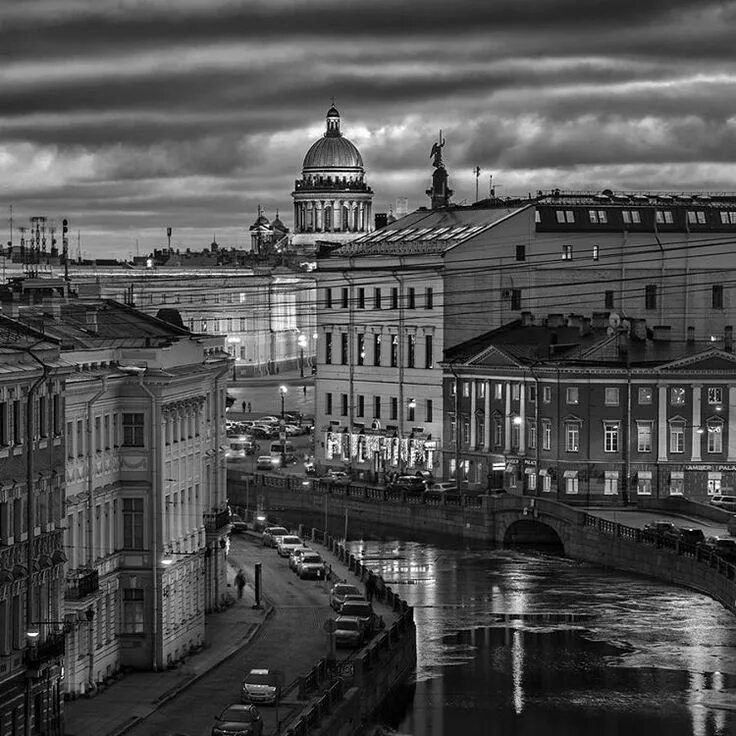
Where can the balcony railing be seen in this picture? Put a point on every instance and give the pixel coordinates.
(213, 522)
(84, 585)
(52, 647)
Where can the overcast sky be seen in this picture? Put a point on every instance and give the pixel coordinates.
(128, 116)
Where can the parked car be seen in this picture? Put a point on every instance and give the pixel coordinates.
(407, 483)
(338, 593)
(261, 686)
(272, 534)
(240, 719)
(362, 610)
(425, 474)
(349, 632)
(288, 543)
(691, 535)
(296, 555)
(725, 547)
(724, 502)
(268, 419)
(661, 528)
(238, 525)
(311, 565)
(265, 462)
(338, 477)
(309, 468)
(239, 447)
(264, 432)
(444, 486)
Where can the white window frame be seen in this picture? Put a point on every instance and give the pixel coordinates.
(715, 395)
(611, 396)
(572, 395)
(644, 431)
(676, 434)
(610, 437)
(610, 483)
(645, 398)
(572, 436)
(715, 479)
(714, 431)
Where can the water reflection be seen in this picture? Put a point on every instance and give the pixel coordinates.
(516, 644)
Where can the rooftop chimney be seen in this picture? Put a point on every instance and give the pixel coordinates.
(585, 326)
(728, 338)
(555, 320)
(527, 319)
(574, 320)
(662, 333)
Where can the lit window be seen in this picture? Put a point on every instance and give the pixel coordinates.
(610, 437)
(677, 396)
(546, 394)
(644, 436)
(645, 395)
(567, 252)
(714, 483)
(610, 482)
(715, 436)
(677, 437)
(715, 394)
(546, 435)
(572, 434)
(596, 251)
(572, 395)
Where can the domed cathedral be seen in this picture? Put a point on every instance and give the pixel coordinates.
(268, 237)
(332, 201)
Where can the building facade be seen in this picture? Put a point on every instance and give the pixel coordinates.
(32, 556)
(665, 257)
(591, 411)
(146, 516)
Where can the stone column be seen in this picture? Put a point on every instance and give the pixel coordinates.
(487, 425)
(731, 426)
(318, 216)
(473, 419)
(695, 422)
(522, 414)
(662, 426)
(507, 419)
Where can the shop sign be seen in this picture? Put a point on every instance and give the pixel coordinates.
(713, 468)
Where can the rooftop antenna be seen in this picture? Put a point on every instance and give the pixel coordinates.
(79, 247)
(10, 219)
(137, 252)
(476, 171)
(168, 236)
(65, 247)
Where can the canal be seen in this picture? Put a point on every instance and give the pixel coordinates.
(515, 643)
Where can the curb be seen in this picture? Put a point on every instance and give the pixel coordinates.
(171, 694)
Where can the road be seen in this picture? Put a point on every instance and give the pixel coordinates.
(637, 519)
(302, 608)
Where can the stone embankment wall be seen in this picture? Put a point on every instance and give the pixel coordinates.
(345, 699)
(486, 520)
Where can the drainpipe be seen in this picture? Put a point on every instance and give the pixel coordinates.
(155, 515)
(219, 408)
(90, 516)
(400, 361)
(30, 509)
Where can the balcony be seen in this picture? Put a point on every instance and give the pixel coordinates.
(38, 653)
(214, 522)
(86, 583)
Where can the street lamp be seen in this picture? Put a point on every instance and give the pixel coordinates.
(282, 433)
(302, 340)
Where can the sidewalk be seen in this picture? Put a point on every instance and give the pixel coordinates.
(119, 707)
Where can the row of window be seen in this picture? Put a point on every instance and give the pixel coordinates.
(254, 298)
(378, 298)
(13, 514)
(612, 394)
(633, 217)
(377, 343)
(46, 419)
(108, 430)
(378, 405)
(611, 435)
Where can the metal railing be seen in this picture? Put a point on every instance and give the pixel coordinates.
(214, 521)
(52, 647)
(80, 587)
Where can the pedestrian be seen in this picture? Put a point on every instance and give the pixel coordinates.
(240, 582)
(370, 587)
(243, 406)
(249, 409)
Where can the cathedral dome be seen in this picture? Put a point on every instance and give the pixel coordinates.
(333, 150)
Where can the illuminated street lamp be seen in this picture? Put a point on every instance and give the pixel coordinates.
(302, 340)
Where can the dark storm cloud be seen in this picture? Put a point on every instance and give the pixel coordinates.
(135, 113)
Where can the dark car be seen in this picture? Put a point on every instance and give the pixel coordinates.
(349, 631)
(407, 483)
(240, 719)
(661, 529)
(725, 547)
(691, 535)
(238, 525)
(362, 610)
